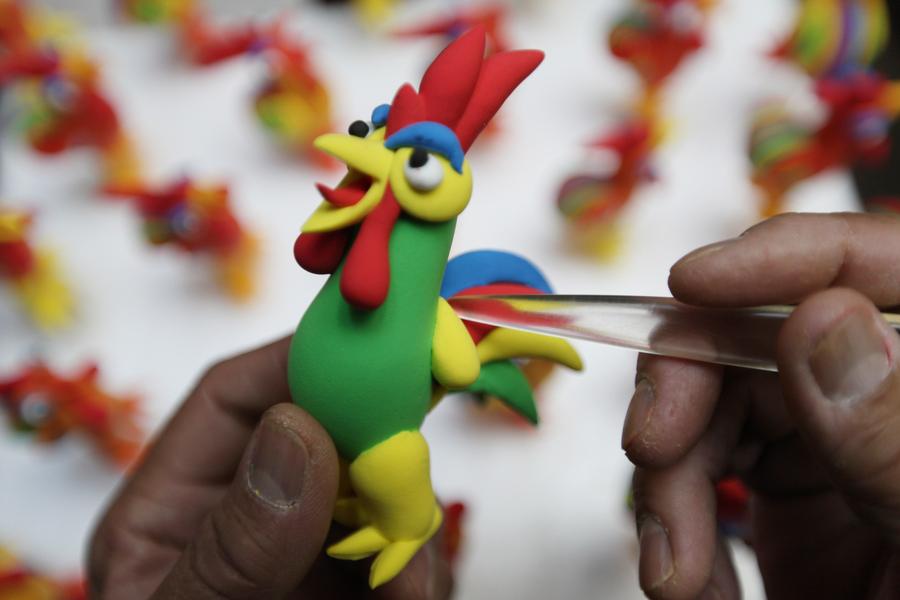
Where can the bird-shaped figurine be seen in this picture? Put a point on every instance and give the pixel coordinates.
(380, 345)
(592, 203)
(836, 38)
(198, 219)
(33, 273)
(785, 151)
(50, 406)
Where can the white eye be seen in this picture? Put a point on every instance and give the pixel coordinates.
(686, 18)
(35, 409)
(423, 171)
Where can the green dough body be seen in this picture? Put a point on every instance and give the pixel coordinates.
(366, 375)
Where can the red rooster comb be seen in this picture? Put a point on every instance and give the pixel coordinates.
(462, 89)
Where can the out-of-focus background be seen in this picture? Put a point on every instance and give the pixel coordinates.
(547, 516)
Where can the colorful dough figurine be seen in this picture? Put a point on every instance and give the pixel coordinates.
(20, 582)
(33, 274)
(655, 37)
(591, 203)
(379, 345)
(205, 44)
(490, 17)
(835, 38)
(784, 151)
(50, 406)
(156, 11)
(198, 219)
(19, 56)
(66, 108)
(293, 103)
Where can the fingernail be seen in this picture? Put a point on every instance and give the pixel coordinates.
(277, 465)
(850, 362)
(656, 564)
(639, 412)
(704, 251)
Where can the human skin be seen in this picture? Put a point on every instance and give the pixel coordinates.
(818, 443)
(234, 499)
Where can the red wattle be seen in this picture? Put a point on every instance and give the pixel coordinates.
(321, 253)
(366, 278)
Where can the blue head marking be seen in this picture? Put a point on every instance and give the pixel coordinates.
(380, 115)
(431, 136)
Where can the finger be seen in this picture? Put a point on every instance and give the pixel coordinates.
(672, 404)
(789, 257)
(427, 577)
(269, 529)
(185, 471)
(723, 583)
(838, 361)
(225, 406)
(675, 508)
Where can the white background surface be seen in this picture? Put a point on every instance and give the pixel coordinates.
(547, 516)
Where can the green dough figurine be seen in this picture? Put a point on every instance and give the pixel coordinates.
(380, 345)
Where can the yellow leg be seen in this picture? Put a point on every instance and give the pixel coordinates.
(393, 485)
(347, 509)
(45, 295)
(237, 271)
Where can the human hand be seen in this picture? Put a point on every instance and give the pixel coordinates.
(234, 499)
(818, 443)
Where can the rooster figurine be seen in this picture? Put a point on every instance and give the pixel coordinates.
(836, 38)
(784, 152)
(655, 37)
(293, 103)
(199, 220)
(592, 203)
(32, 273)
(66, 107)
(379, 345)
(50, 406)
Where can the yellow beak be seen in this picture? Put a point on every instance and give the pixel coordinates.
(363, 156)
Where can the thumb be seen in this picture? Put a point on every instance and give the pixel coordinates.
(270, 527)
(838, 357)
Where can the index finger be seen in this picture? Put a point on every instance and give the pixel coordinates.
(789, 257)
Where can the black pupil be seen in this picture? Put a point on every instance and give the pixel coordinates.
(359, 129)
(418, 158)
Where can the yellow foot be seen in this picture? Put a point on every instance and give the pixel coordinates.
(349, 512)
(392, 557)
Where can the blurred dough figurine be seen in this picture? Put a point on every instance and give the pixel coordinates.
(379, 345)
(66, 107)
(50, 406)
(490, 17)
(835, 38)
(206, 44)
(198, 219)
(654, 37)
(32, 273)
(293, 103)
(785, 151)
(20, 582)
(156, 11)
(591, 203)
(19, 56)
